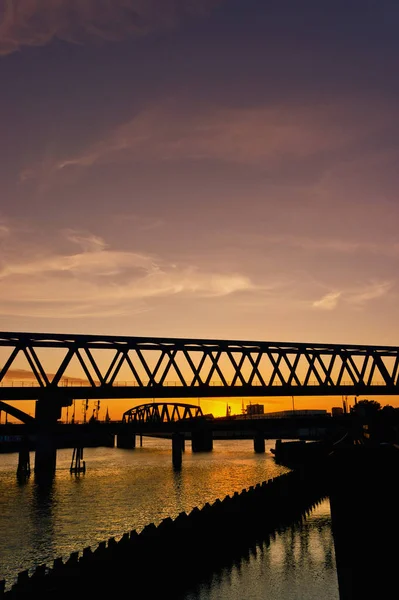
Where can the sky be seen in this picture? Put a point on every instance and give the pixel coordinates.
(221, 169)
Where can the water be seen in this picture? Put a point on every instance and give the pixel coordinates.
(124, 490)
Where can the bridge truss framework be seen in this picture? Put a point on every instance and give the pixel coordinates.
(147, 367)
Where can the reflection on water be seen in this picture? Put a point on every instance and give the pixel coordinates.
(42, 510)
(178, 486)
(297, 563)
(124, 490)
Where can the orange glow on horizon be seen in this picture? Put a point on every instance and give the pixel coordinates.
(215, 406)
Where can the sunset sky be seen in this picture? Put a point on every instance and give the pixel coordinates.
(222, 169)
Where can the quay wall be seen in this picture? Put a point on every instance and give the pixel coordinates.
(364, 501)
(173, 554)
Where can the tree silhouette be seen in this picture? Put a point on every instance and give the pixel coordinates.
(367, 408)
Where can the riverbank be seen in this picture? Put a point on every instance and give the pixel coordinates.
(214, 535)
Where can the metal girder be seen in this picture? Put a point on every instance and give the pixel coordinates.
(148, 367)
(15, 412)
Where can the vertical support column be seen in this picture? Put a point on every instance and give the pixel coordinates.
(45, 453)
(177, 449)
(47, 412)
(127, 440)
(259, 442)
(202, 440)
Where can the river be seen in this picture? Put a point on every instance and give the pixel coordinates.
(124, 490)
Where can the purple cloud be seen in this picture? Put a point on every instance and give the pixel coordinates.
(38, 22)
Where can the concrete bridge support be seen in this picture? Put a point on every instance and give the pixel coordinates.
(177, 449)
(45, 454)
(47, 412)
(202, 440)
(259, 442)
(127, 440)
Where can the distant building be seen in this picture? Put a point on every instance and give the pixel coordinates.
(306, 412)
(337, 410)
(255, 409)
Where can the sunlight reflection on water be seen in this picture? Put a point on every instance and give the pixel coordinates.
(123, 490)
(297, 563)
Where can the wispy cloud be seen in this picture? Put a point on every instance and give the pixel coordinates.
(38, 22)
(334, 245)
(328, 302)
(263, 136)
(98, 280)
(358, 297)
(4, 230)
(88, 242)
(376, 289)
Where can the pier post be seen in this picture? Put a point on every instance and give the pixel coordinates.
(78, 465)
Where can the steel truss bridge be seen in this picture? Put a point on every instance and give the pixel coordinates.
(166, 418)
(172, 417)
(64, 367)
(157, 413)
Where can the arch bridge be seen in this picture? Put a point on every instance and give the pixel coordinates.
(157, 413)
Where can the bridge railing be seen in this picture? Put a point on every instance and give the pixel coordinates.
(73, 383)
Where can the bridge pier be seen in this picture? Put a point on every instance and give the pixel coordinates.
(177, 448)
(47, 412)
(259, 442)
(45, 453)
(127, 441)
(202, 440)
